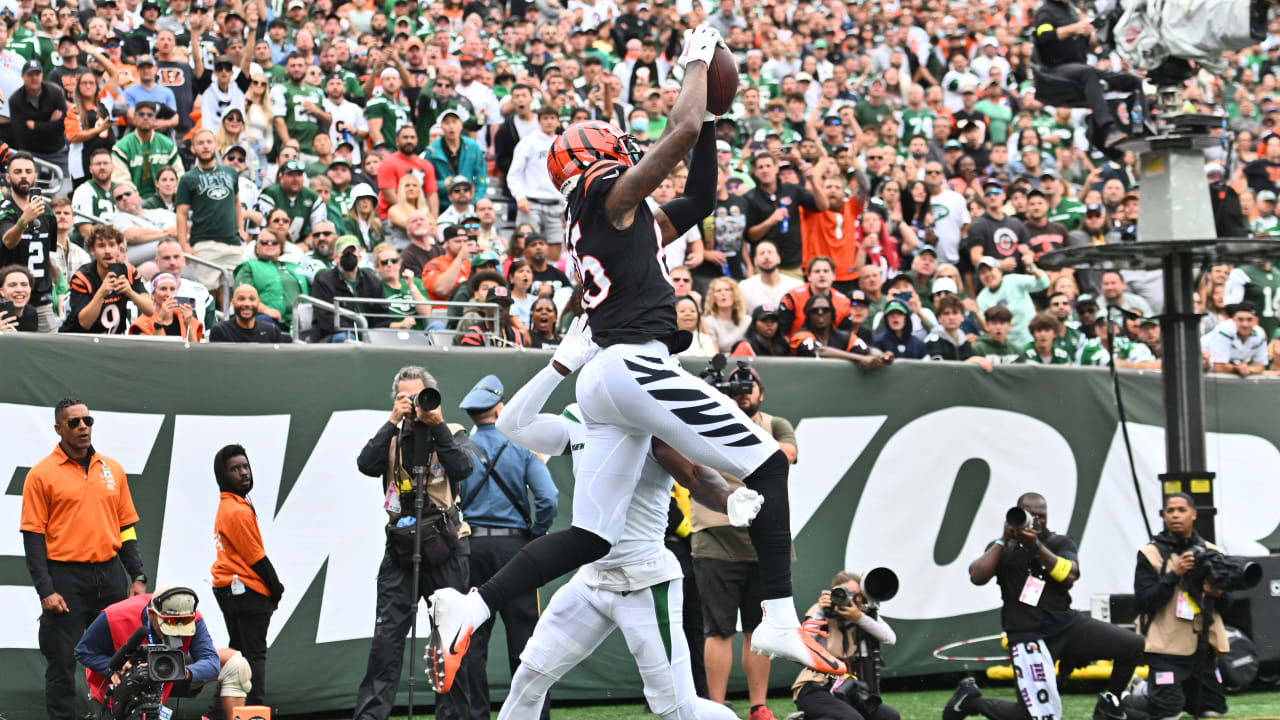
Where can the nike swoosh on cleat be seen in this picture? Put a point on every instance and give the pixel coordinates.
(453, 646)
(959, 702)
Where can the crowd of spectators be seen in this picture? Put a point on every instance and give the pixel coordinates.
(888, 179)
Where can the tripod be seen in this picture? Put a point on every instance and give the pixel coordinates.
(419, 460)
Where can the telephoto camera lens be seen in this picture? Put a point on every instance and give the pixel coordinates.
(1020, 519)
(427, 400)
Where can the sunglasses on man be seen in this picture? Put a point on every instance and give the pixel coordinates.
(74, 422)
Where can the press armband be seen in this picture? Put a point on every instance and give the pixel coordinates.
(1061, 569)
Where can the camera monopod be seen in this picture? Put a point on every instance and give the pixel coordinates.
(419, 461)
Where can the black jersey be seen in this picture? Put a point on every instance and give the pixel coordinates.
(114, 318)
(34, 250)
(626, 292)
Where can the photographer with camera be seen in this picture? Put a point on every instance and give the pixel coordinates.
(1174, 595)
(725, 564)
(415, 436)
(1035, 569)
(139, 651)
(841, 615)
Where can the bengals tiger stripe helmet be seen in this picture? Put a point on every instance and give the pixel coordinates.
(574, 150)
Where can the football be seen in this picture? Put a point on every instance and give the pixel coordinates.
(722, 81)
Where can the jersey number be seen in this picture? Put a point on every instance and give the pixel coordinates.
(35, 263)
(1269, 299)
(595, 281)
(110, 318)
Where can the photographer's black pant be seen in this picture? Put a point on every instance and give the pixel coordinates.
(519, 616)
(247, 616)
(817, 703)
(1177, 683)
(397, 604)
(87, 588)
(1085, 641)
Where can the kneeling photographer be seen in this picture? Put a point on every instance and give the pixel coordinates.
(427, 541)
(1179, 580)
(853, 634)
(1035, 569)
(141, 650)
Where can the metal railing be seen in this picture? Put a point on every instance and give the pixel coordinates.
(57, 183)
(224, 291)
(490, 311)
(361, 324)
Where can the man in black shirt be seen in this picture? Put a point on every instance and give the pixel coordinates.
(547, 278)
(244, 326)
(773, 212)
(36, 113)
(1062, 46)
(993, 234)
(28, 236)
(1035, 569)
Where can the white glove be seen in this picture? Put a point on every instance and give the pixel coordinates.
(743, 505)
(699, 44)
(574, 346)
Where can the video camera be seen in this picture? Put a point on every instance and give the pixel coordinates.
(1225, 572)
(737, 384)
(140, 692)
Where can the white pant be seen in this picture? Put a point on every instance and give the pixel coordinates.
(577, 621)
(629, 393)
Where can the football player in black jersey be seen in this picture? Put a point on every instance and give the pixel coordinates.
(631, 388)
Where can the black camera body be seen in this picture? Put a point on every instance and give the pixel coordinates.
(739, 382)
(139, 694)
(841, 597)
(1225, 572)
(858, 695)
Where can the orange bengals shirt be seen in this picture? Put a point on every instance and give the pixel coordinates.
(79, 513)
(239, 544)
(833, 233)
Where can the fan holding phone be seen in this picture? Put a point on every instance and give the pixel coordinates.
(16, 311)
(102, 290)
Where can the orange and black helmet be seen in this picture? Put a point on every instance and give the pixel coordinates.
(582, 144)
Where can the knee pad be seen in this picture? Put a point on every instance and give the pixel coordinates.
(236, 677)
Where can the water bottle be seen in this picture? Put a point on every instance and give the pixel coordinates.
(786, 223)
(237, 586)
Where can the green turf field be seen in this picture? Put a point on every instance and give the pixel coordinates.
(927, 705)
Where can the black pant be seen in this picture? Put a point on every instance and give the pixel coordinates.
(519, 616)
(1062, 85)
(397, 605)
(1191, 686)
(247, 616)
(693, 621)
(817, 703)
(87, 588)
(1085, 641)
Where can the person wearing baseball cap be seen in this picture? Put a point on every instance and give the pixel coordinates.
(346, 279)
(453, 154)
(36, 110)
(166, 617)
(763, 336)
(1266, 224)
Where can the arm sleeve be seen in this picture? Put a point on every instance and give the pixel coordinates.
(33, 546)
(878, 629)
(545, 495)
(521, 423)
(699, 199)
(131, 558)
(456, 461)
(372, 460)
(515, 170)
(267, 572)
(1151, 590)
(95, 648)
(1218, 344)
(205, 656)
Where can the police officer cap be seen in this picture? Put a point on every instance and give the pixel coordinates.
(486, 394)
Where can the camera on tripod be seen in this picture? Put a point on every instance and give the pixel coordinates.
(737, 384)
(140, 692)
